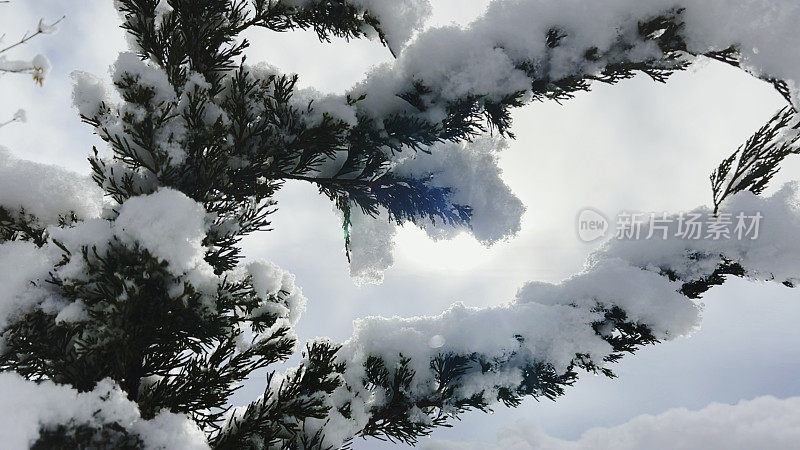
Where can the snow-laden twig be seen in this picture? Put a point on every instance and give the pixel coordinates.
(41, 28)
(19, 116)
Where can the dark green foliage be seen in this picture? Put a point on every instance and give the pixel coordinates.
(20, 226)
(393, 421)
(274, 419)
(72, 436)
(140, 327)
(754, 164)
(696, 288)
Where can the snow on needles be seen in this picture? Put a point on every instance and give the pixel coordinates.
(26, 407)
(771, 256)
(471, 173)
(499, 55)
(371, 246)
(555, 324)
(398, 19)
(504, 51)
(168, 224)
(46, 191)
(488, 57)
(23, 270)
(269, 280)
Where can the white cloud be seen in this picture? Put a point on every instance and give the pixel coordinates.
(764, 423)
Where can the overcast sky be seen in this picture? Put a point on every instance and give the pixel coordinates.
(636, 146)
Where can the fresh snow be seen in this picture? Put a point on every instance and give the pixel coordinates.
(399, 19)
(46, 191)
(23, 273)
(26, 407)
(553, 323)
(269, 281)
(471, 172)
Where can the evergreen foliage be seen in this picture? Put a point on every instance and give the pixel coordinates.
(758, 159)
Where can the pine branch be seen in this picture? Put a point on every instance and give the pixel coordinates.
(327, 18)
(391, 420)
(276, 418)
(752, 165)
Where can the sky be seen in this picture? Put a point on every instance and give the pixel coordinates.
(638, 145)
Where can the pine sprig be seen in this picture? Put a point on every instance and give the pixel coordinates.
(277, 418)
(752, 165)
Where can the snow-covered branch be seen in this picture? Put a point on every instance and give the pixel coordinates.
(631, 293)
(759, 159)
(39, 66)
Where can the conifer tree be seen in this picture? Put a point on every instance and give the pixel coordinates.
(144, 301)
